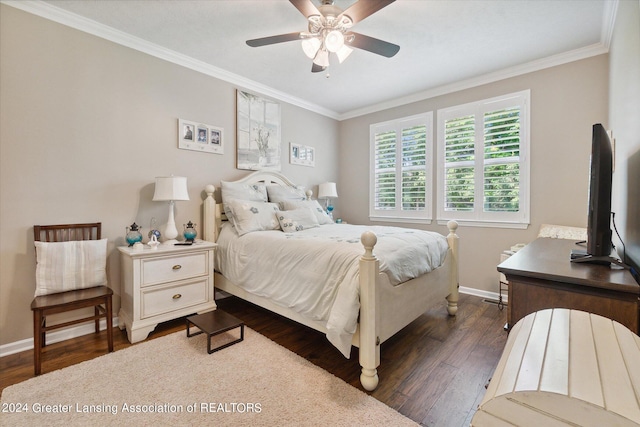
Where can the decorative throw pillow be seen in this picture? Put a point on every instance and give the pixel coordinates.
(297, 220)
(280, 194)
(248, 216)
(321, 215)
(239, 191)
(65, 266)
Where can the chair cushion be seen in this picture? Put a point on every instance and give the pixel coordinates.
(65, 266)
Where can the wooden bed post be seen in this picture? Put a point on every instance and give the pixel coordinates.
(369, 335)
(452, 238)
(210, 215)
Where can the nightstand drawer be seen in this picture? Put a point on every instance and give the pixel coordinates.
(166, 299)
(169, 269)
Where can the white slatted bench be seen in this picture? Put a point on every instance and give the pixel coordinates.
(565, 367)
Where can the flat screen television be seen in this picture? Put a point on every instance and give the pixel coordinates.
(599, 219)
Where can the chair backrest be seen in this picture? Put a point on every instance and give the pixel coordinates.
(67, 232)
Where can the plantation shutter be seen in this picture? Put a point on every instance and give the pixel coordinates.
(401, 162)
(414, 142)
(483, 163)
(385, 170)
(460, 164)
(502, 160)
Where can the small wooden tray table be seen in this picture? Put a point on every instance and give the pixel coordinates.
(213, 323)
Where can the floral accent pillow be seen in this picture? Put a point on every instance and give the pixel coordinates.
(321, 215)
(239, 191)
(248, 216)
(280, 194)
(297, 220)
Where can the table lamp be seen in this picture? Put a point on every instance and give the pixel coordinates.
(328, 191)
(170, 188)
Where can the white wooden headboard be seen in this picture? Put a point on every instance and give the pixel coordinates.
(212, 212)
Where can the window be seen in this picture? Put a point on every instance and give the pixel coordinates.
(483, 162)
(401, 169)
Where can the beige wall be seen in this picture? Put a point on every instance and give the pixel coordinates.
(625, 123)
(85, 127)
(565, 101)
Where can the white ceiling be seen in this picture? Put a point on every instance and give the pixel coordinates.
(444, 44)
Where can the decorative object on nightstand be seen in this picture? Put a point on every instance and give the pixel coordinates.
(190, 232)
(170, 189)
(153, 229)
(328, 191)
(133, 235)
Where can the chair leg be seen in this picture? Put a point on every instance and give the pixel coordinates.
(96, 312)
(37, 341)
(43, 334)
(109, 307)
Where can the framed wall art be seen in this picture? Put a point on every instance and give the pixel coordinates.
(200, 137)
(258, 132)
(302, 155)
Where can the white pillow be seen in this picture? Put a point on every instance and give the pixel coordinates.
(280, 194)
(65, 266)
(248, 216)
(239, 191)
(321, 215)
(297, 220)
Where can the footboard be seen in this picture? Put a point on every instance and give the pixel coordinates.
(372, 332)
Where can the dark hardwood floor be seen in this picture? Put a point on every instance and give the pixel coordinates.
(434, 371)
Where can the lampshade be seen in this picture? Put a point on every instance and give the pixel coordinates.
(327, 190)
(334, 41)
(322, 58)
(343, 53)
(171, 188)
(310, 46)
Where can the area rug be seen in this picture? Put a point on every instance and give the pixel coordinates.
(174, 381)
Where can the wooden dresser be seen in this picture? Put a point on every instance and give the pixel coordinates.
(542, 276)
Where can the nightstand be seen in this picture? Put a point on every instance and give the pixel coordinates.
(164, 284)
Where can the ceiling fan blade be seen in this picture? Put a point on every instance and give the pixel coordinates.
(315, 68)
(306, 7)
(374, 45)
(264, 41)
(363, 8)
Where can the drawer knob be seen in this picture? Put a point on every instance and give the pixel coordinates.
(177, 267)
(177, 296)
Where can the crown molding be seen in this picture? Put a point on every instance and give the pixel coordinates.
(541, 64)
(52, 13)
(47, 11)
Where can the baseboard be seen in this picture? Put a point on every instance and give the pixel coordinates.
(483, 294)
(77, 331)
(54, 337)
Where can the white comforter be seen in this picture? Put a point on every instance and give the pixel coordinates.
(315, 271)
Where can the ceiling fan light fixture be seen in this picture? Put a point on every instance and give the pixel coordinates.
(343, 53)
(334, 40)
(322, 58)
(310, 46)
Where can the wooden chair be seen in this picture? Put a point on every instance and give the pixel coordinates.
(99, 297)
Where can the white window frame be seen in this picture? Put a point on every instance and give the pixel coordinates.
(398, 215)
(520, 219)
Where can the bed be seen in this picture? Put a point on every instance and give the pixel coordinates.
(385, 300)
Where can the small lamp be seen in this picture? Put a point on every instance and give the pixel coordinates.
(171, 188)
(328, 191)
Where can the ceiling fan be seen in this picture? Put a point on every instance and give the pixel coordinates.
(330, 32)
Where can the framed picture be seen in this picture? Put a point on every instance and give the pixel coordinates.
(302, 155)
(258, 132)
(200, 137)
